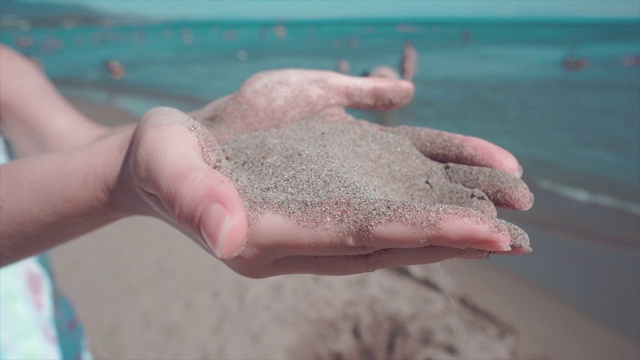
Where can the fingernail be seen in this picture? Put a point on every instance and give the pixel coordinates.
(520, 171)
(216, 220)
(522, 250)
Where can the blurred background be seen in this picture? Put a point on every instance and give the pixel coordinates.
(555, 82)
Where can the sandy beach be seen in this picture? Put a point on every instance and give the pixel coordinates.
(145, 291)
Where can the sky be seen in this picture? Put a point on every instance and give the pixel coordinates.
(317, 9)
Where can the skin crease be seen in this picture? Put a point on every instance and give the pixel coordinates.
(75, 176)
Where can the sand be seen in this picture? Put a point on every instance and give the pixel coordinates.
(145, 291)
(352, 177)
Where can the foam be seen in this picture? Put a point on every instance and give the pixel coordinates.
(585, 196)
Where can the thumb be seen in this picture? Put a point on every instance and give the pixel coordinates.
(221, 218)
(180, 155)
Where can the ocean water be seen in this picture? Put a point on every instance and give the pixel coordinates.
(577, 133)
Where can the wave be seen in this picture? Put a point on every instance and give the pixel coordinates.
(585, 196)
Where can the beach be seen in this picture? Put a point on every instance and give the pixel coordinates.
(144, 290)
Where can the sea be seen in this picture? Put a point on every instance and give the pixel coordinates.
(563, 96)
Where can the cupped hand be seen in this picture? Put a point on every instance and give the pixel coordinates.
(289, 234)
(176, 170)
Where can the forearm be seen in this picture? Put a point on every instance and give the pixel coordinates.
(34, 115)
(48, 199)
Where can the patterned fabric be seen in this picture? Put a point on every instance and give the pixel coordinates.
(36, 321)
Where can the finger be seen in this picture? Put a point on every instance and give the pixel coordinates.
(346, 265)
(384, 258)
(317, 89)
(518, 239)
(178, 156)
(409, 61)
(455, 148)
(502, 189)
(449, 226)
(403, 225)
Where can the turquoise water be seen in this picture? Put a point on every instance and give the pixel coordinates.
(577, 133)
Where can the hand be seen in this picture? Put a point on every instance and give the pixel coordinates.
(277, 244)
(170, 171)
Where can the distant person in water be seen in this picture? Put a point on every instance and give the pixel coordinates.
(280, 31)
(630, 60)
(574, 62)
(343, 66)
(409, 61)
(407, 71)
(23, 41)
(466, 36)
(115, 69)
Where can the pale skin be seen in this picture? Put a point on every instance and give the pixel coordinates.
(76, 176)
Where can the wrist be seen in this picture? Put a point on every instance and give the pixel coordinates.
(72, 198)
(121, 195)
